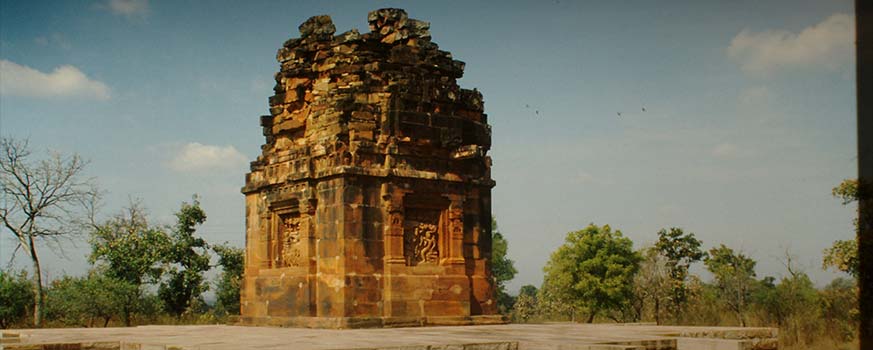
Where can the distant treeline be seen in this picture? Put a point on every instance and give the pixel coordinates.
(596, 275)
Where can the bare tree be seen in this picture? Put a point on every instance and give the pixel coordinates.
(43, 200)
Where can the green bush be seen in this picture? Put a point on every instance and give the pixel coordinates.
(85, 301)
(16, 298)
(839, 309)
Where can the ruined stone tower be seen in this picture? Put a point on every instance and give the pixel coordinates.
(370, 203)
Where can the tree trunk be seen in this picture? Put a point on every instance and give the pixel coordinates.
(39, 296)
(657, 311)
(126, 314)
(741, 318)
(127, 309)
(591, 317)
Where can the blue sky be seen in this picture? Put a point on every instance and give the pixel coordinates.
(749, 121)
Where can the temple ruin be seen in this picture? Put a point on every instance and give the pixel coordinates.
(370, 205)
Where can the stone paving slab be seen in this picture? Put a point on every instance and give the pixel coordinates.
(556, 336)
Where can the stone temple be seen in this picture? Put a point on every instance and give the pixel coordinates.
(370, 205)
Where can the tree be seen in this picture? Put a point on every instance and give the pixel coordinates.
(130, 250)
(592, 272)
(704, 303)
(765, 301)
(847, 191)
(554, 303)
(502, 267)
(16, 295)
(652, 283)
(680, 250)
(529, 290)
(843, 254)
(227, 288)
(80, 301)
(799, 300)
(526, 304)
(44, 200)
(734, 275)
(839, 309)
(189, 259)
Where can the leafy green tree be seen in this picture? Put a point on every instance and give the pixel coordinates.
(843, 254)
(16, 295)
(231, 260)
(81, 301)
(592, 272)
(765, 301)
(128, 249)
(681, 250)
(502, 267)
(529, 290)
(799, 300)
(734, 276)
(182, 290)
(45, 200)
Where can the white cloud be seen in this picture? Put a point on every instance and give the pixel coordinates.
(726, 150)
(129, 8)
(829, 44)
(193, 157)
(64, 81)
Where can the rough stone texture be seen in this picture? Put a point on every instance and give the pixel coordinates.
(555, 336)
(370, 203)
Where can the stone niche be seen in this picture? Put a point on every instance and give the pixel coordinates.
(370, 204)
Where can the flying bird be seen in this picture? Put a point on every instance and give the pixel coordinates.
(619, 114)
(644, 109)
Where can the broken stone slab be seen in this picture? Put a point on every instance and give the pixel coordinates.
(386, 20)
(319, 27)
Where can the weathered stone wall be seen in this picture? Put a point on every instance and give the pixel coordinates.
(370, 203)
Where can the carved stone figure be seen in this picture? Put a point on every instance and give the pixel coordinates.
(420, 243)
(290, 238)
(426, 243)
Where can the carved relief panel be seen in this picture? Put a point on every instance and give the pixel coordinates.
(289, 236)
(286, 247)
(422, 236)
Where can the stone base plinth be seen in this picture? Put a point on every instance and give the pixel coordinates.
(372, 322)
(554, 336)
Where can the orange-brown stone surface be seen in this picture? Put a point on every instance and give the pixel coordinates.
(370, 203)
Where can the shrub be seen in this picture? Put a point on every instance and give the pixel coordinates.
(16, 298)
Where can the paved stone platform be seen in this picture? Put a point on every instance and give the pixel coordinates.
(556, 336)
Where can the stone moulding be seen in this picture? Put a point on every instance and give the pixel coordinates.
(370, 204)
